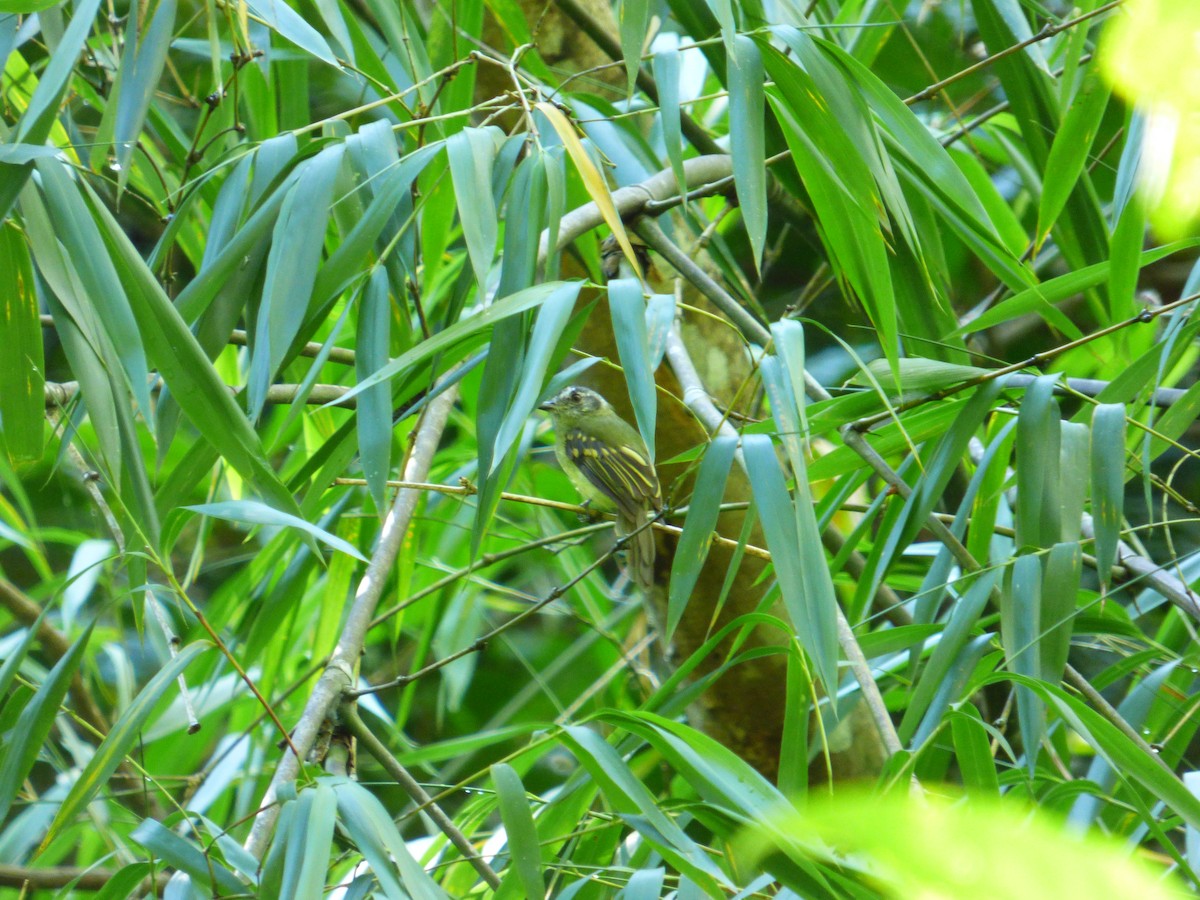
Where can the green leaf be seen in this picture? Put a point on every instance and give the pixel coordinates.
(929, 694)
(1020, 620)
(308, 843)
(371, 828)
(467, 328)
(800, 566)
(627, 307)
(286, 21)
(102, 292)
(1119, 751)
(552, 318)
(1073, 469)
(472, 153)
(119, 742)
(254, 513)
(666, 76)
(1108, 484)
(374, 410)
(1060, 588)
(973, 751)
(1070, 150)
(635, 27)
(1039, 522)
(182, 854)
(34, 126)
(699, 527)
(202, 395)
(37, 718)
(22, 377)
(1005, 850)
(630, 798)
(1127, 239)
(844, 196)
(519, 829)
(137, 80)
(749, 148)
(296, 244)
(36, 122)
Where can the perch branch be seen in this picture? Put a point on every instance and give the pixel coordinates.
(339, 674)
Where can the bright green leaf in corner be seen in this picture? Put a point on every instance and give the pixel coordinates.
(927, 847)
(1132, 53)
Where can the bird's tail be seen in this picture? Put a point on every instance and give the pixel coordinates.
(640, 551)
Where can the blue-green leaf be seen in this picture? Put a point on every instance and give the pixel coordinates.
(254, 513)
(698, 527)
(628, 310)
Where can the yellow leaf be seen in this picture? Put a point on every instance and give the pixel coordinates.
(593, 181)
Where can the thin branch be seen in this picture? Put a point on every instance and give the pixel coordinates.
(468, 489)
(1036, 361)
(61, 393)
(1048, 30)
(1096, 699)
(339, 674)
(481, 642)
(349, 717)
(78, 877)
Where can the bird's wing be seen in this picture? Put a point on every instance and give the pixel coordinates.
(622, 474)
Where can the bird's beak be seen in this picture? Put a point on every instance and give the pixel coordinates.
(547, 406)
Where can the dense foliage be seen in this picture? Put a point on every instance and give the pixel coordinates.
(281, 288)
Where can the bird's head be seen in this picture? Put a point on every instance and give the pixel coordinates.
(573, 403)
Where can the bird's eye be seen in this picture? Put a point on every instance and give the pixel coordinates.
(576, 396)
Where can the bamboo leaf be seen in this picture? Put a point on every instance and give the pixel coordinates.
(472, 153)
(292, 263)
(374, 410)
(552, 318)
(22, 377)
(698, 527)
(371, 828)
(746, 103)
(204, 398)
(800, 567)
(120, 740)
(519, 829)
(254, 513)
(37, 718)
(1020, 620)
(627, 307)
(461, 331)
(593, 181)
(1070, 149)
(1108, 484)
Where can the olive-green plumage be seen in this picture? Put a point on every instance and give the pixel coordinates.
(607, 461)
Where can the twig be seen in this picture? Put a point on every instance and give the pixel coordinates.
(339, 674)
(80, 878)
(1096, 699)
(172, 640)
(61, 393)
(1047, 31)
(1037, 360)
(468, 490)
(481, 642)
(348, 715)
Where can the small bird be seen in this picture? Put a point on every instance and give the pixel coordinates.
(607, 461)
